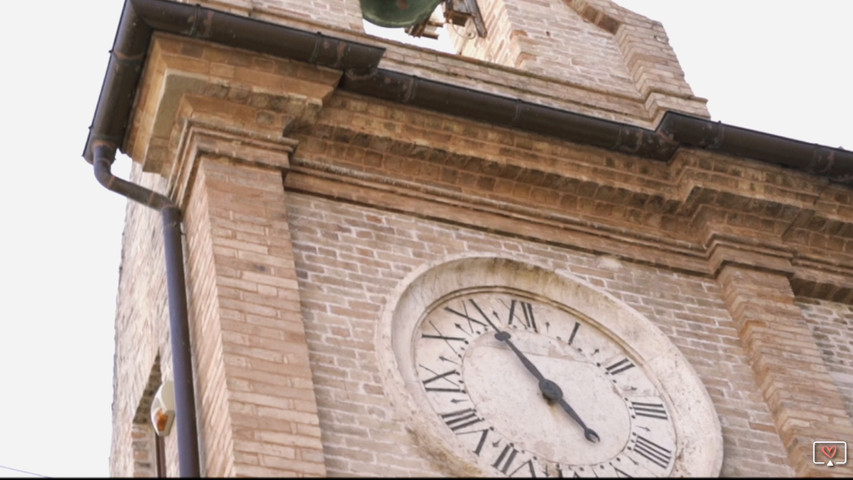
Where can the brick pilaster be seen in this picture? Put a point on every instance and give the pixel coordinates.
(805, 402)
(255, 385)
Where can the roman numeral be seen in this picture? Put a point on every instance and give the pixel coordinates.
(562, 473)
(528, 469)
(574, 332)
(461, 418)
(455, 387)
(619, 366)
(651, 410)
(506, 458)
(464, 314)
(621, 473)
(652, 452)
(480, 443)
(526, 318)
(446, 338)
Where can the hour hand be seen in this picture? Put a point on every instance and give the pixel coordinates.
(588, 433)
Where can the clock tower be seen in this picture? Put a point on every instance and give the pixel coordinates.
(535, 255)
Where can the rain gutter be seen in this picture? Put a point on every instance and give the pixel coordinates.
(689, 131)
(359, 62)
(676, 129)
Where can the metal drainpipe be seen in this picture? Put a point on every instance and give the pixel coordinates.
(188, 452)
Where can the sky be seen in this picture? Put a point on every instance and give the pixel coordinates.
(775, 66)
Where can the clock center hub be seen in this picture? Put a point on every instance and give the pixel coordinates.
(550, 390)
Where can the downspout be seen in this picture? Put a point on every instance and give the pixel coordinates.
(188, 457)
(139, 19)
(835, 163)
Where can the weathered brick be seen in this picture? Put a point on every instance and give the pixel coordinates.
(288, 283)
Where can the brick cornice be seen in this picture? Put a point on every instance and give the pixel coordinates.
(821, 277)
(247, 90)
(712, 208)
(475, 211)
(730, 250)
(200, 136)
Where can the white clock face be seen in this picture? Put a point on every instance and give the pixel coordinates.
(504, 368)
(530, 388)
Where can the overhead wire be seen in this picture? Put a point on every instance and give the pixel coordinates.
(18, 470)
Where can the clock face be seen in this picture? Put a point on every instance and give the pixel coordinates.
(531, 388)
(499, 367)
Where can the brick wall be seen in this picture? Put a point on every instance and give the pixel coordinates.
(352, 244)
(594, 44)
(349, 258)
(287, 277)
(830, 324)
(144, 451)
(552, 39)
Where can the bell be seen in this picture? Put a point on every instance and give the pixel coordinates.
(397, 13)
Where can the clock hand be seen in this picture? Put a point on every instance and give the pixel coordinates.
(550, 390)
(504, 337)
(588, 433)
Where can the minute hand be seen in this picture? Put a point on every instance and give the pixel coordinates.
(504, 337)
(550, 390)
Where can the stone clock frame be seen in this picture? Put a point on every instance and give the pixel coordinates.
(699, 440)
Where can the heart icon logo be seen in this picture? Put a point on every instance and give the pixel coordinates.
(829, 450)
